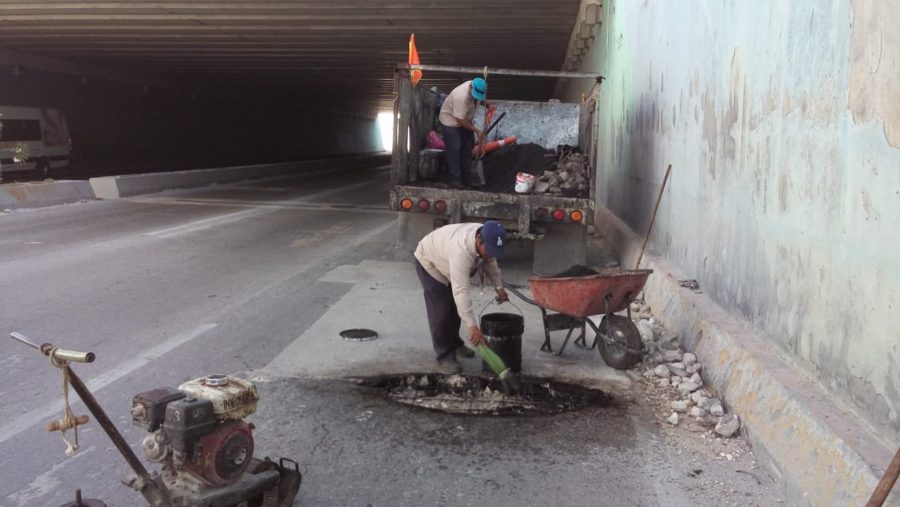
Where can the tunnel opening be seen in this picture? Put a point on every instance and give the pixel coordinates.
(483, 396)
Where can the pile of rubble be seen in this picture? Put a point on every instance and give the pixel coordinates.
(677, 374)
(569, 177)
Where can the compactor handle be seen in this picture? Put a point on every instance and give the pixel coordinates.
(61, 354)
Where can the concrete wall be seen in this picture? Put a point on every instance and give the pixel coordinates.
(782, 123)
(120, 127)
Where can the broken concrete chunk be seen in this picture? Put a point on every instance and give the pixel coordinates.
(541, 187)
(685, 388)
(688, 359)
(664, 382)
(697, 412)
(671, 355)
(728, 425)
(649, 374)
(716, 410)
(673, 419)
(698, 397)
(709, 402)
(680, 406)
(694, 368)
(662, 371)
(646, 331)
(676, 370)
(695, 378)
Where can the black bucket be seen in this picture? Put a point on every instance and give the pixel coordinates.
(503, 333)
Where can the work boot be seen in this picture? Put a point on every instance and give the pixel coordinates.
(464, 352)
(450, 366)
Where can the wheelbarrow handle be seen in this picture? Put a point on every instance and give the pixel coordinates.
(521, 296)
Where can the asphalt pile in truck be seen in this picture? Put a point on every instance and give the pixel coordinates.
(558, 173)
(501, 166)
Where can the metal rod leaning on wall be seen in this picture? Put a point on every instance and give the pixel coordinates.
(505, 72)
(886, 484)
(662, 188)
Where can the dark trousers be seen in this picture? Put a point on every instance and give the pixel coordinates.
(443, 318)
(458, 144)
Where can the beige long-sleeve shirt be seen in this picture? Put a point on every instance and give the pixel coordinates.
(458, 104)
(448, 254)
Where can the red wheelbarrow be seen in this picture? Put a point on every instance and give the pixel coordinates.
(575, 299)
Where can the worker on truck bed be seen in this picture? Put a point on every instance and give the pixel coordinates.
(456, 117)
(446, 259)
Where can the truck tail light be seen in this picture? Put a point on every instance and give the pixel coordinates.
(406, 203)
(424, 205)
(559, 215)
(440, 207)
(576, 215)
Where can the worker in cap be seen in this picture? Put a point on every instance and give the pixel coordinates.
(456, 117)
(446, 260)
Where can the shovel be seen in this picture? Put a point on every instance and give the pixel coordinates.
(477, 176)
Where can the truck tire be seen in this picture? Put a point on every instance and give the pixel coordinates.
(41, 168)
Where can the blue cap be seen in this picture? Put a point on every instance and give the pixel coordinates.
(479, 88)
(494, 237)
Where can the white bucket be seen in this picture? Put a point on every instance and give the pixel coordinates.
(524, 183)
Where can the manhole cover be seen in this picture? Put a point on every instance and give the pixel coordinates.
(462, 394)
(358, 335)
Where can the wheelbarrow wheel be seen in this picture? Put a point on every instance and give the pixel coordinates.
(619, 342)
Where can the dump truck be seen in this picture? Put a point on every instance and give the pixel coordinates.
(556, 224)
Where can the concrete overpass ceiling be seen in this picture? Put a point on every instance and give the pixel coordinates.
(338, 50)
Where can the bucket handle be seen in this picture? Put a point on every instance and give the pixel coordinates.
(494, 302)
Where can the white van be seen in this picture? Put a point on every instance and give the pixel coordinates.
(43, 135)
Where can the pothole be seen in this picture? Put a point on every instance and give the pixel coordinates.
(473, 395)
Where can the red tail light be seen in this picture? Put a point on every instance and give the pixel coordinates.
(440, 207)
(559, 215)
(424, 205)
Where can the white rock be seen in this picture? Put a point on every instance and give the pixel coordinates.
(646, 331)
(677, 364)
(661, 371)
(694, 368)
(649, 374)
(688, 359)
(717, 410)
(675, 379)
(697, 412)
(673, 419)
(728, 425)
(695, 378)
(709, 402)
(685, 388)
(671, 355)
(664, 382)
(674, 369)
(697, 397)
(729, 456)
(680, 406)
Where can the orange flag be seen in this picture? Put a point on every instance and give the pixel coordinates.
(414, 59)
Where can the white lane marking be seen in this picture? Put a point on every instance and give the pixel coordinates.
(38, 416)
(258, 208)
(205, 223)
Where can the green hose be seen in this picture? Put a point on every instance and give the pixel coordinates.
(508, 379)
(491, 359)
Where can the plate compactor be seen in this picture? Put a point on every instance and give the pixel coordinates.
(197, 434)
